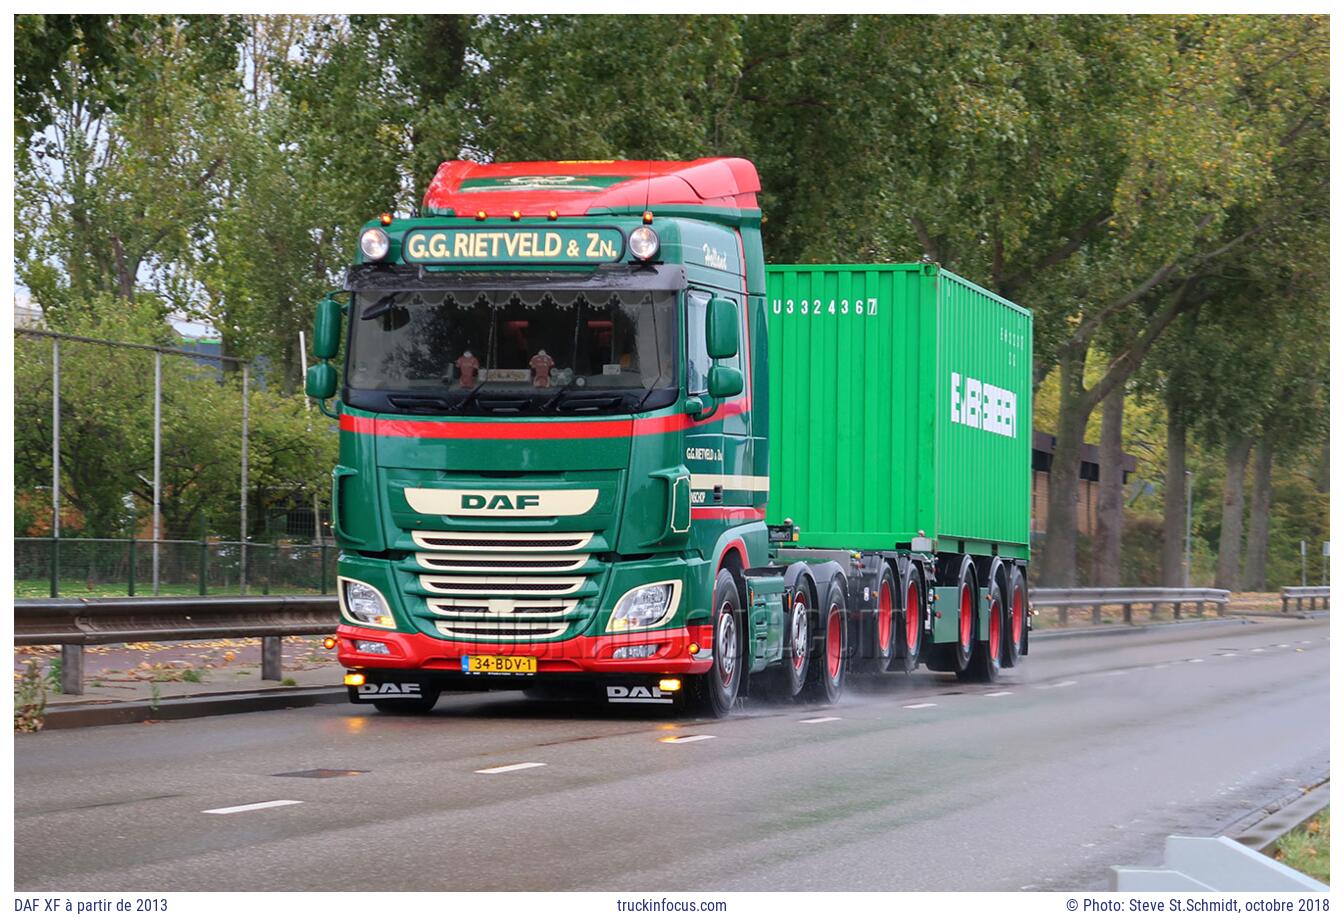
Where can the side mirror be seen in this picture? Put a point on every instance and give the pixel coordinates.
(721, 339)
(321, 382)
(327, 329)
(724, 382)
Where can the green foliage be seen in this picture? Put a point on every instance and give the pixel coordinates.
(1154, 187)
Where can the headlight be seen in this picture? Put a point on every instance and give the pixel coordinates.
(643, 243)
(374, 244)
(645, 606)
(364, 604)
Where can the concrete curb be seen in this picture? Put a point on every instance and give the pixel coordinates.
(87, 715)
(1272, 821)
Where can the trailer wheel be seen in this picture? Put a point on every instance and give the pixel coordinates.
(886, 622)
(1015, 618)
(988, 657)
(714, 692)
(965, 643)
(825, 679)
(911, 633)
(408, 707)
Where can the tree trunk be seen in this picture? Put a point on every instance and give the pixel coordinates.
(1110, 493)
(1234, 503)
(1173, 499)
(1060, 557)
(1257, 541)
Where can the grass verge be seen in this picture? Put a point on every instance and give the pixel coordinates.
(1307, 849)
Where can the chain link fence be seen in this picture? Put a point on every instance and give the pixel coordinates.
(91, 567)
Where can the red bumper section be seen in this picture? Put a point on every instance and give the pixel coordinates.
(577, 656)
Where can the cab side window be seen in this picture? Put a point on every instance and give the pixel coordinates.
(697, 357)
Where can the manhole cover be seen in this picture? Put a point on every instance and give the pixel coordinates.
(322, 774)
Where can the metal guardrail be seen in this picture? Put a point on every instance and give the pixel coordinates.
(73, 623)
(1300, 593)
(1066, 598)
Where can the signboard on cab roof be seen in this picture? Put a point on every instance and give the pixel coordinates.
(516, 245)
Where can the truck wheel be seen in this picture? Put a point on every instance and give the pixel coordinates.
(911, 623)
(714, 692)
(988, 657)
(826, 671)
(408, 707)
(1015, 618)
(965, 644)
(885, 622)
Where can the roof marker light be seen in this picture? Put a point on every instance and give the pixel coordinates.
(517, 215)
(648, 217)
(384, 218)
(480, 215)
(553, 215)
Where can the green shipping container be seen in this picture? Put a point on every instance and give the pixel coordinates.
(899, 402)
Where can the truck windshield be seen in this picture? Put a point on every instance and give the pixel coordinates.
(510, 352)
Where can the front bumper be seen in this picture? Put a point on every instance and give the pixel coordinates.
(416, 652)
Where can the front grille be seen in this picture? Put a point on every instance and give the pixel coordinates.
(501, 631)
(495, 585)
(501, 608)
(499, 563)
(486, 541)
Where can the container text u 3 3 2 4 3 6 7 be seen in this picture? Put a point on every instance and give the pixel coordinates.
(900, 402)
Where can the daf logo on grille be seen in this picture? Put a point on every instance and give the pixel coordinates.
(475, 502)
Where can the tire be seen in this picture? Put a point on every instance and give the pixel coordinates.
(885, 622)
(784, 682)
(1015, 619)
(909, 637)
(408, 707)
(966, 617)
(987, 662)
(714, 692)
(826, 672)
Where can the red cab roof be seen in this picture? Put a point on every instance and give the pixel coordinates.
(574, 188)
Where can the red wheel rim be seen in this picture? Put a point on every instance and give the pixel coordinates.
(964, 617)
(884, 605)
(994, 630)
(833, 642)
(1017, 618)
(912, 624)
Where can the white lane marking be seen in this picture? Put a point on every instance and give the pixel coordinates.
(1227, 654)
(1257, 650)
(1306, 642)
(1158, 667)
(1000, 693)
(509, 768)
(819, 720)
(1115, 673)
(685, 739)
(1062, 683)
(234, 809)
(1195, 660)
(920, 706)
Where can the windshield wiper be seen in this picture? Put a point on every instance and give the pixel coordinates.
(590, 402)
(419, 403)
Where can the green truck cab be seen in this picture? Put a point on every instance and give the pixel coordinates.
(569, 399)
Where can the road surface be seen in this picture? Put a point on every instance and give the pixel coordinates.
(1087, 756)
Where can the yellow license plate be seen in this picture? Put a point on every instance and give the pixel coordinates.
(498, 664)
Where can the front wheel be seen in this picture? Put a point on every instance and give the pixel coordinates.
(714, 692)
